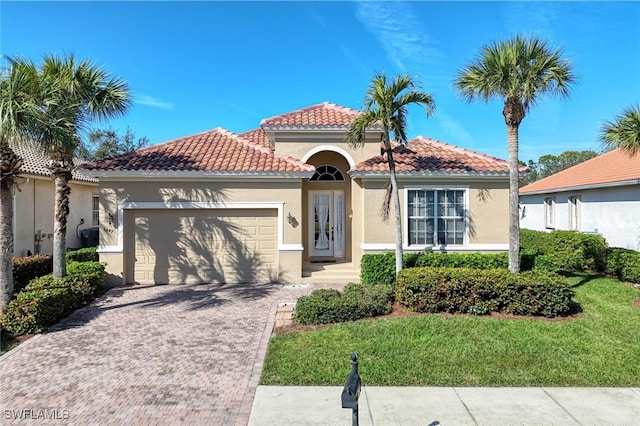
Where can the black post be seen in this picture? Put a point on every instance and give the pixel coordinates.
(351, 391)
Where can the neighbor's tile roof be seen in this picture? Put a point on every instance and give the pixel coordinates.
(324, 115)
(611, 167)
(216, 150)
(425, 155)
(36, 163)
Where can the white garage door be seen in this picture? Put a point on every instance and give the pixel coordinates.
(192, 246)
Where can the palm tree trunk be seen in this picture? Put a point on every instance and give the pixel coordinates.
(396, 207)
(514, 199)
(6, 241)
(61, 214)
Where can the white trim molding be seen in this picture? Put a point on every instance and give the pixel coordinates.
(143, 205)
(331, 148)
(445, 248)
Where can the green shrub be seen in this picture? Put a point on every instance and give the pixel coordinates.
(624, 264)
(324, 306)
(46, 300)
(463, 290)
(565, 250)
(29, 267)
(381, 268)
(88, 254)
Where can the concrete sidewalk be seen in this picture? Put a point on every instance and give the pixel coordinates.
(296, 405)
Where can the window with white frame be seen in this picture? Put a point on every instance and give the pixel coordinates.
(574, 213)
(436, 216)
(549, 212)
(95, 211)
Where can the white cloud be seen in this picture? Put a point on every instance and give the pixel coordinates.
(459, 135)
(399, 32)
(147, 100)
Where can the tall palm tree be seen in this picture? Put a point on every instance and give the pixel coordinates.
(71, 95)
(519, 71)
(386, 103)
(624, 131)
(18, 114)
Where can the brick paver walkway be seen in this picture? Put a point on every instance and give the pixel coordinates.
(147, 355)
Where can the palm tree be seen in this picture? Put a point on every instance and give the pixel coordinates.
(18, 114)
(72, 94)
(624, 131)
(519, 71)
(386, 104)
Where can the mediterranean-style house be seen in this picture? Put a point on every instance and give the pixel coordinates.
(34, 205)
(267, 203)
(600, 195)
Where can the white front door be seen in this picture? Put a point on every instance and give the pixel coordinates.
(326, 223)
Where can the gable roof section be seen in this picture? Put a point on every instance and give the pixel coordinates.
(425, 156)
(316, 117)
(215, 151)
(258, 137)
(610, 169)
(36, 163)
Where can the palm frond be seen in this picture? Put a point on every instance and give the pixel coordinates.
(624, 131)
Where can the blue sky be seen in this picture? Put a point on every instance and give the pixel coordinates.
(194, 66)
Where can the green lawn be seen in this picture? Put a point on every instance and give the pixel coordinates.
(599, 347)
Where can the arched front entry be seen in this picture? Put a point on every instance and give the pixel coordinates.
(327, 199)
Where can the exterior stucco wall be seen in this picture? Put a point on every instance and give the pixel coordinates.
(34, 208)
(113, 193)
(487, 214)
(611, 212)
(299, 145)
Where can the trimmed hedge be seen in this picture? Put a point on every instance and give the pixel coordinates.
(624, 264)
(325, 306)
(29, 267)
(565, 250)
(381, 268)
(46, 300)
(88, 254)
(463, 290)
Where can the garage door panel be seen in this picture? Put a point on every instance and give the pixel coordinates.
(202, 246)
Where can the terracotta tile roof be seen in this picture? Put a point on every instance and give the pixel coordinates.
(216, 150)
(324, 115)
(258, 137)
(36, 163)
(425, 155)
(612, 167)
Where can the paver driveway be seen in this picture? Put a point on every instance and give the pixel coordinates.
(147, 355)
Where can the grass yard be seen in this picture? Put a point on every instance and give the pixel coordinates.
(599, 347)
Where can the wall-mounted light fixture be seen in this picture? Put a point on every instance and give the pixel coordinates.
(110, 216)
(292, 220)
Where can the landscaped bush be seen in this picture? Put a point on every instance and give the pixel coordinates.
(565, 250)
(381, 268)
(324, 306)
(29, 267)
(88, 254)
(623, 264)
(46, 300)
(464, 290)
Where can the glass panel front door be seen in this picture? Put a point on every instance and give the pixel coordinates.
(326, 236)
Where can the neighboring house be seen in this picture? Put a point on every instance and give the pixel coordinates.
(601, 195)
(223, 207)
(34, 205)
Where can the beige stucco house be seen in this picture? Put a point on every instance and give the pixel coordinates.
(34, 205)
(261, 205)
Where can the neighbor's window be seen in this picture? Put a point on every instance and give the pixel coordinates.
(549, 212)
(574, 213)
(436, 217)
(95, 211)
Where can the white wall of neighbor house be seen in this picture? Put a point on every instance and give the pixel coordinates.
(34, 205)
(612, 212)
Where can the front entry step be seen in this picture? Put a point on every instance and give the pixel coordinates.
(328, 273)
